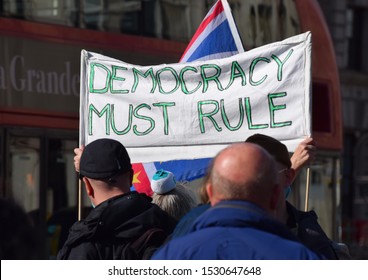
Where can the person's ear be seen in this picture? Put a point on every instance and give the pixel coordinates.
(209, 190)
(291, 174)
(89, 189)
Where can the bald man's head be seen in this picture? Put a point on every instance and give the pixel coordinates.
(243, 171)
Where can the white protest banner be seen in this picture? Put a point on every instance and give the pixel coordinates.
(193, 110)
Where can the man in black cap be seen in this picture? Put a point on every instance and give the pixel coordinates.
(304, 224)
(120, 218)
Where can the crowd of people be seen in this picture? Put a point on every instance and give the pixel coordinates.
(240, 212)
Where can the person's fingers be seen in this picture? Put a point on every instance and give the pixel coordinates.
(308, 141)
(78, 153)
(311, 148)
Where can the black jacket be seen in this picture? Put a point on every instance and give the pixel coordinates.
(107, 230)
(306, 227)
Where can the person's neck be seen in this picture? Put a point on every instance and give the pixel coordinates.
(109, 194)
(281, 214)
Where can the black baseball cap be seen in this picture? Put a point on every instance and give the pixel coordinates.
(272, 146)
(104, 158)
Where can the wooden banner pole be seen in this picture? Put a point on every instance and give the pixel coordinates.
(307, 189)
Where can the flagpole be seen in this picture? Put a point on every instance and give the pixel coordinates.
(80, 200)
(82, 135)
(307, 190)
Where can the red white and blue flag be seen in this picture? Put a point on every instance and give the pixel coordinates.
(216, 37)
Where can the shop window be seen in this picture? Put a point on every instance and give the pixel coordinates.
(361, 170)
(321, 108)
(358, 41)
(25, 171)
(360, 209)
(322, 191)
(262, 22)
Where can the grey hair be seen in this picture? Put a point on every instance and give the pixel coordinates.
(177, 202)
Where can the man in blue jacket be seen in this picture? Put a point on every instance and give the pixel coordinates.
(244, 193)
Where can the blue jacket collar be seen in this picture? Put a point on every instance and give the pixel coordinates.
(236, 213)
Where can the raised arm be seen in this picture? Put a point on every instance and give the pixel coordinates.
(303, 155)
